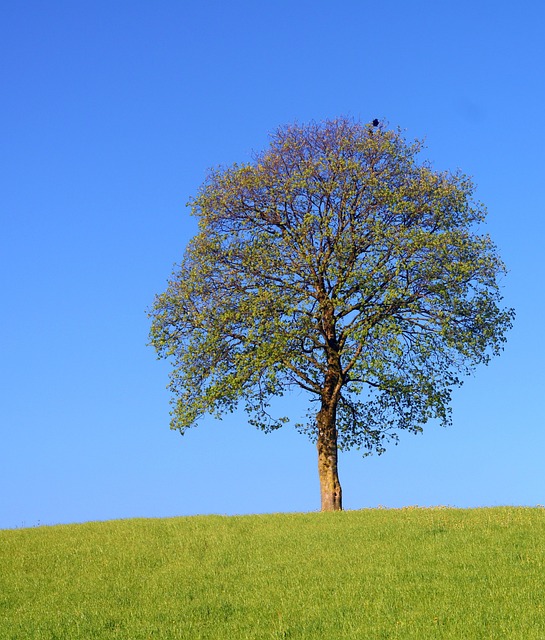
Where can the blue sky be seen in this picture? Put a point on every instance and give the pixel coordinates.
(111, 114)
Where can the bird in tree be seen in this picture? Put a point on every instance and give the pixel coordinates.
(336, 262)
(375, 122)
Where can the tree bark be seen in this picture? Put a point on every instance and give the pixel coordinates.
(330, 487)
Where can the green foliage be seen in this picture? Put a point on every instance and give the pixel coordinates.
(411, 573)
(334, 253)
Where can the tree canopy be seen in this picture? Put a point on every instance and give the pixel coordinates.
(339, 263)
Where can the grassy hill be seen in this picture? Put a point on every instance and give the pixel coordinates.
(410, 573)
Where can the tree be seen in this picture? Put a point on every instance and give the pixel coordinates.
(337, 263)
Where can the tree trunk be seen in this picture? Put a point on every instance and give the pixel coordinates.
(330, 487)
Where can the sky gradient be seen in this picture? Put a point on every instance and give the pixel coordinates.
(111, 115)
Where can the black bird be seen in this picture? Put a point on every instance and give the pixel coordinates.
(375, 123)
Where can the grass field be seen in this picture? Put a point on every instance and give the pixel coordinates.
(410, 573)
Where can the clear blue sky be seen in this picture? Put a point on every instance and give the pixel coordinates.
(111, 113)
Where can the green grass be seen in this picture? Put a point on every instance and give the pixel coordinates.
(410, 573)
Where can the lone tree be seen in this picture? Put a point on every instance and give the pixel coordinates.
(337, 263)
